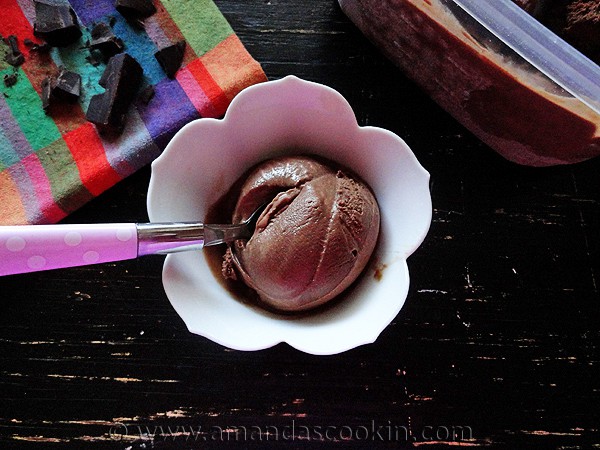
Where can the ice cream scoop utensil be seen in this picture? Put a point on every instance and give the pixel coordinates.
(31, 248)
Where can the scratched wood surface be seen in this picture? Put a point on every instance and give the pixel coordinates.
(496, 347)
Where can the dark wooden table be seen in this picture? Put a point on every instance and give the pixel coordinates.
(496, 346)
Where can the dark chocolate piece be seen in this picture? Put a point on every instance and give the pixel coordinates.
(135, 9)
(91, 58)
(66, 86)
(14, 57)
(171, 57)
(147, 94)
(121, 79)
(46, 92)
(104, 40)
(13, 43)
(40, 48)
(10, 79)
(55, 22)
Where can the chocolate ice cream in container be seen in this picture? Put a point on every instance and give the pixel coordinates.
(518, 86)
(273, 121)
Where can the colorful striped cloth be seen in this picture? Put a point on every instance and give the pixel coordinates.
(51, 164)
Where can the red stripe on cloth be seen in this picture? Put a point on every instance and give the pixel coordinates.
(51, 212)
(210, 87)
(195, 93)
(13, 21)
(95, 172)
(37, 65)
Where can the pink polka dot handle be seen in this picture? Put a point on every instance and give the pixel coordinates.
(31, 248)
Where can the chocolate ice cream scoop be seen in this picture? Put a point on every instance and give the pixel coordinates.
(314, 238)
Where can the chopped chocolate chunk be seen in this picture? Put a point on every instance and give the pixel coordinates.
(46, 92)
(14, 57)
(35, 47)
(105, 41)
(66, 86)
(170, 58)
(10, 79)
(135, 9)
(147, 94)
(13, 43)
(91, 58)
(121, 79)
(55, 22)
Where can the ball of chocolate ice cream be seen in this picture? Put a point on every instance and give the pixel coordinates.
(314, 238)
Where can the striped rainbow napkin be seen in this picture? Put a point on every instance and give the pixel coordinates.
(51, 164)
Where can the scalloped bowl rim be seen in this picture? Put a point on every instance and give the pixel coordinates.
(267, 120)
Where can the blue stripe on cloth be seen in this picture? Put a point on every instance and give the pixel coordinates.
(14, 145)
(8, 156)
(139, 45)
(133, 148)
(90, 11)
(22, 180)
(137, 42)
(167, 112)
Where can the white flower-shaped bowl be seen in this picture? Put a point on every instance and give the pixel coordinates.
(289, 116)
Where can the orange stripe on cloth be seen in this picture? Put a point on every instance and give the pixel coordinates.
(231, 66)
(12, 211)
(95, 172)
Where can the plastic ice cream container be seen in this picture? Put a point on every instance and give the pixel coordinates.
(511, 81)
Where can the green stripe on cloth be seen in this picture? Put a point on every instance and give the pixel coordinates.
(63, 176)
(208, 27)
(26, 107)
(8, 156)
(3, 52)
